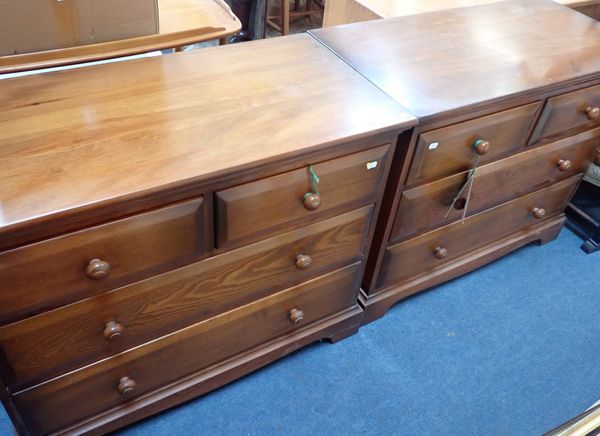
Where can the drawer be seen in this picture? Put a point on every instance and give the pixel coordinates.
(577, 110)
(67, 268)
(424, 207)
(267, 206)
(95, 388)
(66, 338)
(449, 150)
(435, 249)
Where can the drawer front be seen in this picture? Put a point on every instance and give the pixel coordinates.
(435, 249)
(266, 206)
(57, 271)
(66, 338)
(565, 113)
(95, 388)
(449, 150)
(425, 207)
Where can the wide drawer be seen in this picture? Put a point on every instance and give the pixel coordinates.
(569, 112)
(425, 207)
(264, 207)
(66, 338)
(95, 388)
(67, 268)
(435, 249)
(449, 150)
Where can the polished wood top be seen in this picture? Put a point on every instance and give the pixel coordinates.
(395, 8)
(87, 136)
(441, 61)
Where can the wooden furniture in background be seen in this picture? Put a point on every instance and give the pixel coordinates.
(351, 11)
(182, 22)
(281, 21)
(520, 103)
(158, 239)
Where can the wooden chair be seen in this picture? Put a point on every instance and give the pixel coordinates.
(281, 21)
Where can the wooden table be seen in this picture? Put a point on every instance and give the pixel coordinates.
(352, 11)
(182, 22)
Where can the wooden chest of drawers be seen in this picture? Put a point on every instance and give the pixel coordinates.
(168, 225)
(159, 239)
(519, 106)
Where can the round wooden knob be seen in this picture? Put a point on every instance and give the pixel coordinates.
(311, 201)
(303, 261)
(592, 113)
(112, 330)
(126, 385)
(296, 316)
(564, 165)
(539, 213)
(440, 253)
(97, 269)
(481, 146)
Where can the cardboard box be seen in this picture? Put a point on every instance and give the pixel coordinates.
(35, 25)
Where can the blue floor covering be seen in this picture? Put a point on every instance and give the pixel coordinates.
(510, 349)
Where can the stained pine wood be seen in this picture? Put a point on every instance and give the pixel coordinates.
(417, 256)
(424, 207)
(152, 365)
(351, 11)
(51, 273)
(93, 137)
(256, 209)
(449, 150)
(568, 113)
(72, 336)
(442, 61)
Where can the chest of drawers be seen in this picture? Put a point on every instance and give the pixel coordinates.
(171, 224)
(494, 91)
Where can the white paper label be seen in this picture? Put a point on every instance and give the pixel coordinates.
(371, 165)
(434, 145)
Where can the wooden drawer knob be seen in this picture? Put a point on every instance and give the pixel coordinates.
(311, 201)
(296, 316)
(97, 269)
(126, 385)
(592, 113)
(440, 253)
(303, 261)
(112, 330)
(481, 146)
(564, 165)
(539, 213)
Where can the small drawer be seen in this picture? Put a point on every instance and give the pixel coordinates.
(450, 150)
(425, 207)
(568, 113)
(63, 339)
(267, 206)
(115, 381)
(435, 249)
(78, 265)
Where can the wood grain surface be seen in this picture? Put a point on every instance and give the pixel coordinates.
(72, 336)
(152, 365)
(52, 273)
(87, 137)
(417, 256)
(425, 207)
(459, 58)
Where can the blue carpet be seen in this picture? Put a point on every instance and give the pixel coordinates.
(511, 349)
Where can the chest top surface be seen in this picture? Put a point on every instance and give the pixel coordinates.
(80, 137)
(394, 8)
(442, 61)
